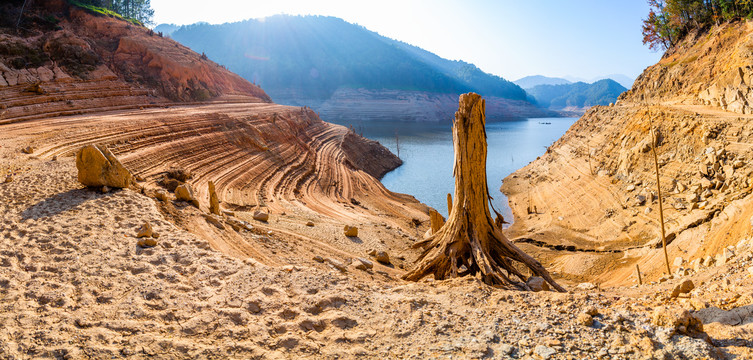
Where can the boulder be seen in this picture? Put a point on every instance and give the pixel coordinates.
(214, 201)
(537, 284)
(261, 216)
(382, 257)
(97, 166)
(145, 230)
(683, 288)
(350, 231)
(184, 192)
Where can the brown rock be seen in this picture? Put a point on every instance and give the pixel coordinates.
(310, 223)
(363, 264)
(537, 284)
(680, 320)
(147, 242)
(97, 166)
(145, 230)
(585, 319)
(162, 195)
(261, 216)
(184, 192)
(382, 257)
(683, 288)
(9, 178)
(350, 231)
(28, 150)
(214, 201)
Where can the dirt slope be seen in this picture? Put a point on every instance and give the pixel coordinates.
(595, 188)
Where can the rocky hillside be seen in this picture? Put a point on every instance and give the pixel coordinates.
(593, 195)
(75, 61)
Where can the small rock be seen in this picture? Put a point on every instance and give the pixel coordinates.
(630, 187)
(544, 352)
(372, 252)
(162, 195)
(683, 288)
(363, 264)
(337, 264)
(184, 192)
(678, 261)
(28, 150)
(586, 286)
(647, 211)
(261, 216)
(147, 242)
(382, 257)
(350, 231)
(310, 223)
(585, 319)
(318, 258)
(9, 179)
(592, 310)
(750, 271)
(537, 284)
(145, 230)
(679, 320)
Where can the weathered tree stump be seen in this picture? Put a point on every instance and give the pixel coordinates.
(470, 242)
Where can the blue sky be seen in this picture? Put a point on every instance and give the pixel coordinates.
(512, 39)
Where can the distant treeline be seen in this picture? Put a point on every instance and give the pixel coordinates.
(669, 20)
(140, 10)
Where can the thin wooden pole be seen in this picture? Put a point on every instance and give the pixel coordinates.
(397, 144)
(658, 191)
(638, 270)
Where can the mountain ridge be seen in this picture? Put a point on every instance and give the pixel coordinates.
(308, 60)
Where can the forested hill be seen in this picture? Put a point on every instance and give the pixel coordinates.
(577, 95)
(314, 56)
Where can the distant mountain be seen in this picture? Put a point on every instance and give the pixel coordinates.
(624, 80)
(576, 96)
(166, 29)
(534, 80)
(327, 63)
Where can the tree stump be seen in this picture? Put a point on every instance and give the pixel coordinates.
(470, 242)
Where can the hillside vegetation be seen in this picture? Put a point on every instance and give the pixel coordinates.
(577, 95)
(312, 57)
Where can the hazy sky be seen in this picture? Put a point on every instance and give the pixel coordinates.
(581, 38)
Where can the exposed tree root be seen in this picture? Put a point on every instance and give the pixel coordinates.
(470, 242)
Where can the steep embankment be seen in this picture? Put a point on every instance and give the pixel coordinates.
(593, 194)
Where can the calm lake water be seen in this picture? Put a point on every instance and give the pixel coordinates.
(428, 155)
